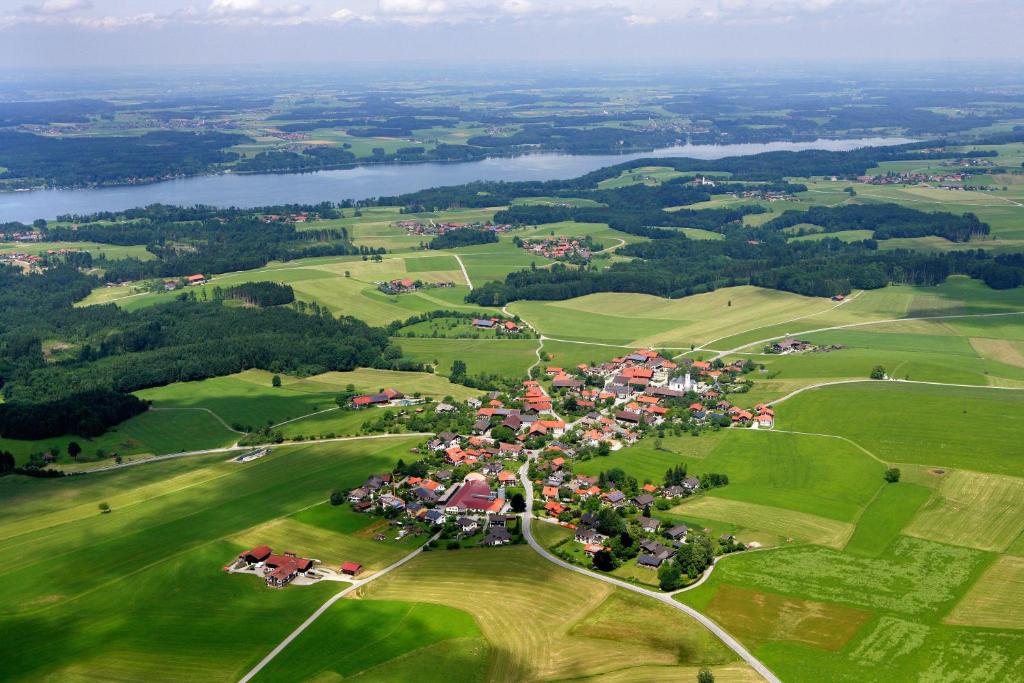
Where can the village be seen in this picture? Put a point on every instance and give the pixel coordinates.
(432, 229)
(572, 249)
(466, 487)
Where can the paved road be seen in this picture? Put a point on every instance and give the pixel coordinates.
(882, 381)
(358, 583)
(664, 598)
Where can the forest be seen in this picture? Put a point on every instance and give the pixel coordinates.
(116, 352)
(463, 237)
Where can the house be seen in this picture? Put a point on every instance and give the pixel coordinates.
(593, 548)
(648, 524)
(648, 562)
(691, 484)
(473, 403)
(424, 494)
(499, 520)
(497, 535)
(467, 525)
(280, 570)
(615, 498)
(483, 323)
(256, 555)
(435, 517)
(643, 500)
(482, 425)
(588, 535)
(444, 408)
(474, 495)
(392, 501)
(356, 495)
(554, 508)
(677, 533)
(351, 568)
(197, 279)
(671, 492)
(506, 478)
(627, 416)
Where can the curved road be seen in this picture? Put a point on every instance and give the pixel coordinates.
(664, 598)
(883, 381)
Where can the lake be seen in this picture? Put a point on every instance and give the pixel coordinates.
(362, 182)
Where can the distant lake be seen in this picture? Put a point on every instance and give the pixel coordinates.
(363, 182)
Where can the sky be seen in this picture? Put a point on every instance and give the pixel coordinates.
(84, 33)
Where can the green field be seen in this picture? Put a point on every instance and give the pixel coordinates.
(644, 320)
(110, 251)
(381, 638)
(506, 357)
(155, 602)
(976, 429)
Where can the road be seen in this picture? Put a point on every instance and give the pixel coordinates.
(207, 410)
(356, 584)
(882, 381)
(464, 273)
(664, 598)
(236, 448)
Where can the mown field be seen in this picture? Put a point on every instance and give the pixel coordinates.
(189, 416)
(154, 602)
(644, 320)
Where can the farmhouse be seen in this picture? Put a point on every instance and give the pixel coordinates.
(351, 568)
(474, 496)
(197, 279)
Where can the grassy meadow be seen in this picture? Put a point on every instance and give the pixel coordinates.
(155, 563)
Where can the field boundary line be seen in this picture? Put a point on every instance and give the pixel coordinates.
(215, 415)
(827, 436)
(303, 417)
(356, 584)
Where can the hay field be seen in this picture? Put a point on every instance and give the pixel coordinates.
(972, 509)
(544, 622)
(996, 600)
(799, 526)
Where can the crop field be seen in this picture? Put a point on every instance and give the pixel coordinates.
(886, 516)
(937, 426)
(155, 564)
(996, 600)
(786, 524)
(975, 510)
(377, 635)
(584, 636)
(506, 357)
(905, 593)
(644, 320)
(754, 616)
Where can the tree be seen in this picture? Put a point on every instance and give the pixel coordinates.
(458, 371)
(705, 676)
(892, 475)
(669, 576)
(6, 463)
(275, 381)
(604, 561)
(878, 372)
(74, 449)
(337, 498)
(518, 503)
(104, 507)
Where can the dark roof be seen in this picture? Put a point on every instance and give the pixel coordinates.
(677, 531)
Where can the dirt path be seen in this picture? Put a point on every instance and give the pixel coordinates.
(464, 273)
(356, 584)
(207, 410)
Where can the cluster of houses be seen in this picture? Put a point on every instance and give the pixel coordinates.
(300, 217)
(913, 178)
(21, 236)
(558, 248)
(477, 503)
(495, 323)
(280, 569)
(387, 397)
(191, 281)
(407, 285)
(433, 229)
(788, 346)
(766, 195)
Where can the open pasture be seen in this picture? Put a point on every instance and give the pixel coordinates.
(155, 564)
(974, 429)
(505, 357)
(975, 510)
(645, 320)
(368, 636)
(883, 520)
(153, 432)
(786, 524)
(110, 251)
(582, 637)
(369, 380)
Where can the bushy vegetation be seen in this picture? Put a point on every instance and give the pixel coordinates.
(463, 237)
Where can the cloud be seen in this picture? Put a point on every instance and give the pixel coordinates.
(517, 6)
(640, 20)
(52, 7)
(412, 7)
(256, 8)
